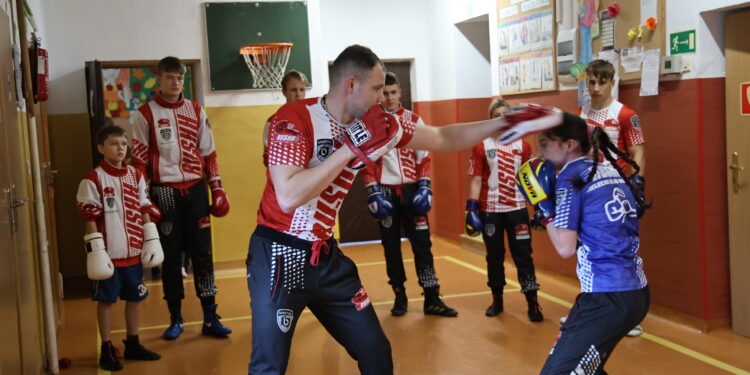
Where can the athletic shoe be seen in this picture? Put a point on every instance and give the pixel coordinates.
(497, 305)
(174, 330)
(134, 350)
(637, 331)
(211, 324)
(108, 358)
(401, 302)
(433, 305)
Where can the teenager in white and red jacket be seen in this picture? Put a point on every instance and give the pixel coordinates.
(173, 145)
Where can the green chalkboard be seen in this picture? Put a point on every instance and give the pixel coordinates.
(231, 25)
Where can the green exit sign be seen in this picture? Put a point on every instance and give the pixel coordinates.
(682, 42)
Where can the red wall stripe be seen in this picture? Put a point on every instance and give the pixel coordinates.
(701, 198)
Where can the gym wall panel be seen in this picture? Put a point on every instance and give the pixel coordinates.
(239, 144)
(71, 156)
(684, 236)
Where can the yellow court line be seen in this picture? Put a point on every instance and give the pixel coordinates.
(242, 275)
(653, 338)
(246, 317)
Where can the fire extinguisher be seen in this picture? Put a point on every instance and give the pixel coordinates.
(40, 66)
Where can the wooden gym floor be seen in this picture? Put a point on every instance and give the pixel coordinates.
(469, 344)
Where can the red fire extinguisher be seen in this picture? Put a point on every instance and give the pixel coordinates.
(39, 66)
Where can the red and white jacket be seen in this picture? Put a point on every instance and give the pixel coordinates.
(173, 143)
(400, 166)
(115, 198)
(303, 134)
(498, 164)
(620, 122)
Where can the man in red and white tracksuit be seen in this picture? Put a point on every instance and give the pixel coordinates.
(401, 193)
(174, 146)
(315, 149)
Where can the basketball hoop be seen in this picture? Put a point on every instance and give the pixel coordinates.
(267, 62)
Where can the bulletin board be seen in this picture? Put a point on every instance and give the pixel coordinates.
(630, 17)
(526, 44)
(231, 25)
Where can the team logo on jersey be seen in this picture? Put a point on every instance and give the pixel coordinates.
(325, 148)
(165, 131)
(636, 121)
(491, 153)
(358, 133)
(489, 229)
(361, 300)
(619, 208)
(284, 318)
(561, 194)
(286, 127)
(109, 196)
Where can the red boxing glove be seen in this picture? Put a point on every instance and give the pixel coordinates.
(372, 137)
(219, 200)
(525, 119)
(153, 212)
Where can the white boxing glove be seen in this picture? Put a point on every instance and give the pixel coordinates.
(98, 264)
(151, 255)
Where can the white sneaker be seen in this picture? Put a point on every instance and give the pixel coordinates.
(563, 319)
(637, 331)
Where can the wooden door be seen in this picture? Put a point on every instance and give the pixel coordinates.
(737, 52)
(355, 222)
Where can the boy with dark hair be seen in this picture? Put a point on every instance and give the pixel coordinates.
(173, 145)
(400, 194)
(120, 237)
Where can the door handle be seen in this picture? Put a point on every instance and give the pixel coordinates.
(9, 211)
(736, 169)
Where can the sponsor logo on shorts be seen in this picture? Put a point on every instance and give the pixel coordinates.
(387, 221)
(361, 300)
(522, 232)
(284, 318)
(489, 230)
(204, 222)
(166, 227)
(420, 223)
(142, 291)
(325, 148)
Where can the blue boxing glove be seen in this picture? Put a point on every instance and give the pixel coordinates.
(422, 201)
(536, 180)
(474, 224)
(379, 205)
(640, 182)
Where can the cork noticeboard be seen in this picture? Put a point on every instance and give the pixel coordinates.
(526, 44)
(629, 17)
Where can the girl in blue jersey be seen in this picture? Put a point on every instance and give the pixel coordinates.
(594, 215)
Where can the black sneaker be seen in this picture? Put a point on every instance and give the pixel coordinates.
(108, 358)
(136, 351)
(433, 305)
(401, 302)
(535, 311)
(497, 305)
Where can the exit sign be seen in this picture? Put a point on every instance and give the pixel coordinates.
(682, 42)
